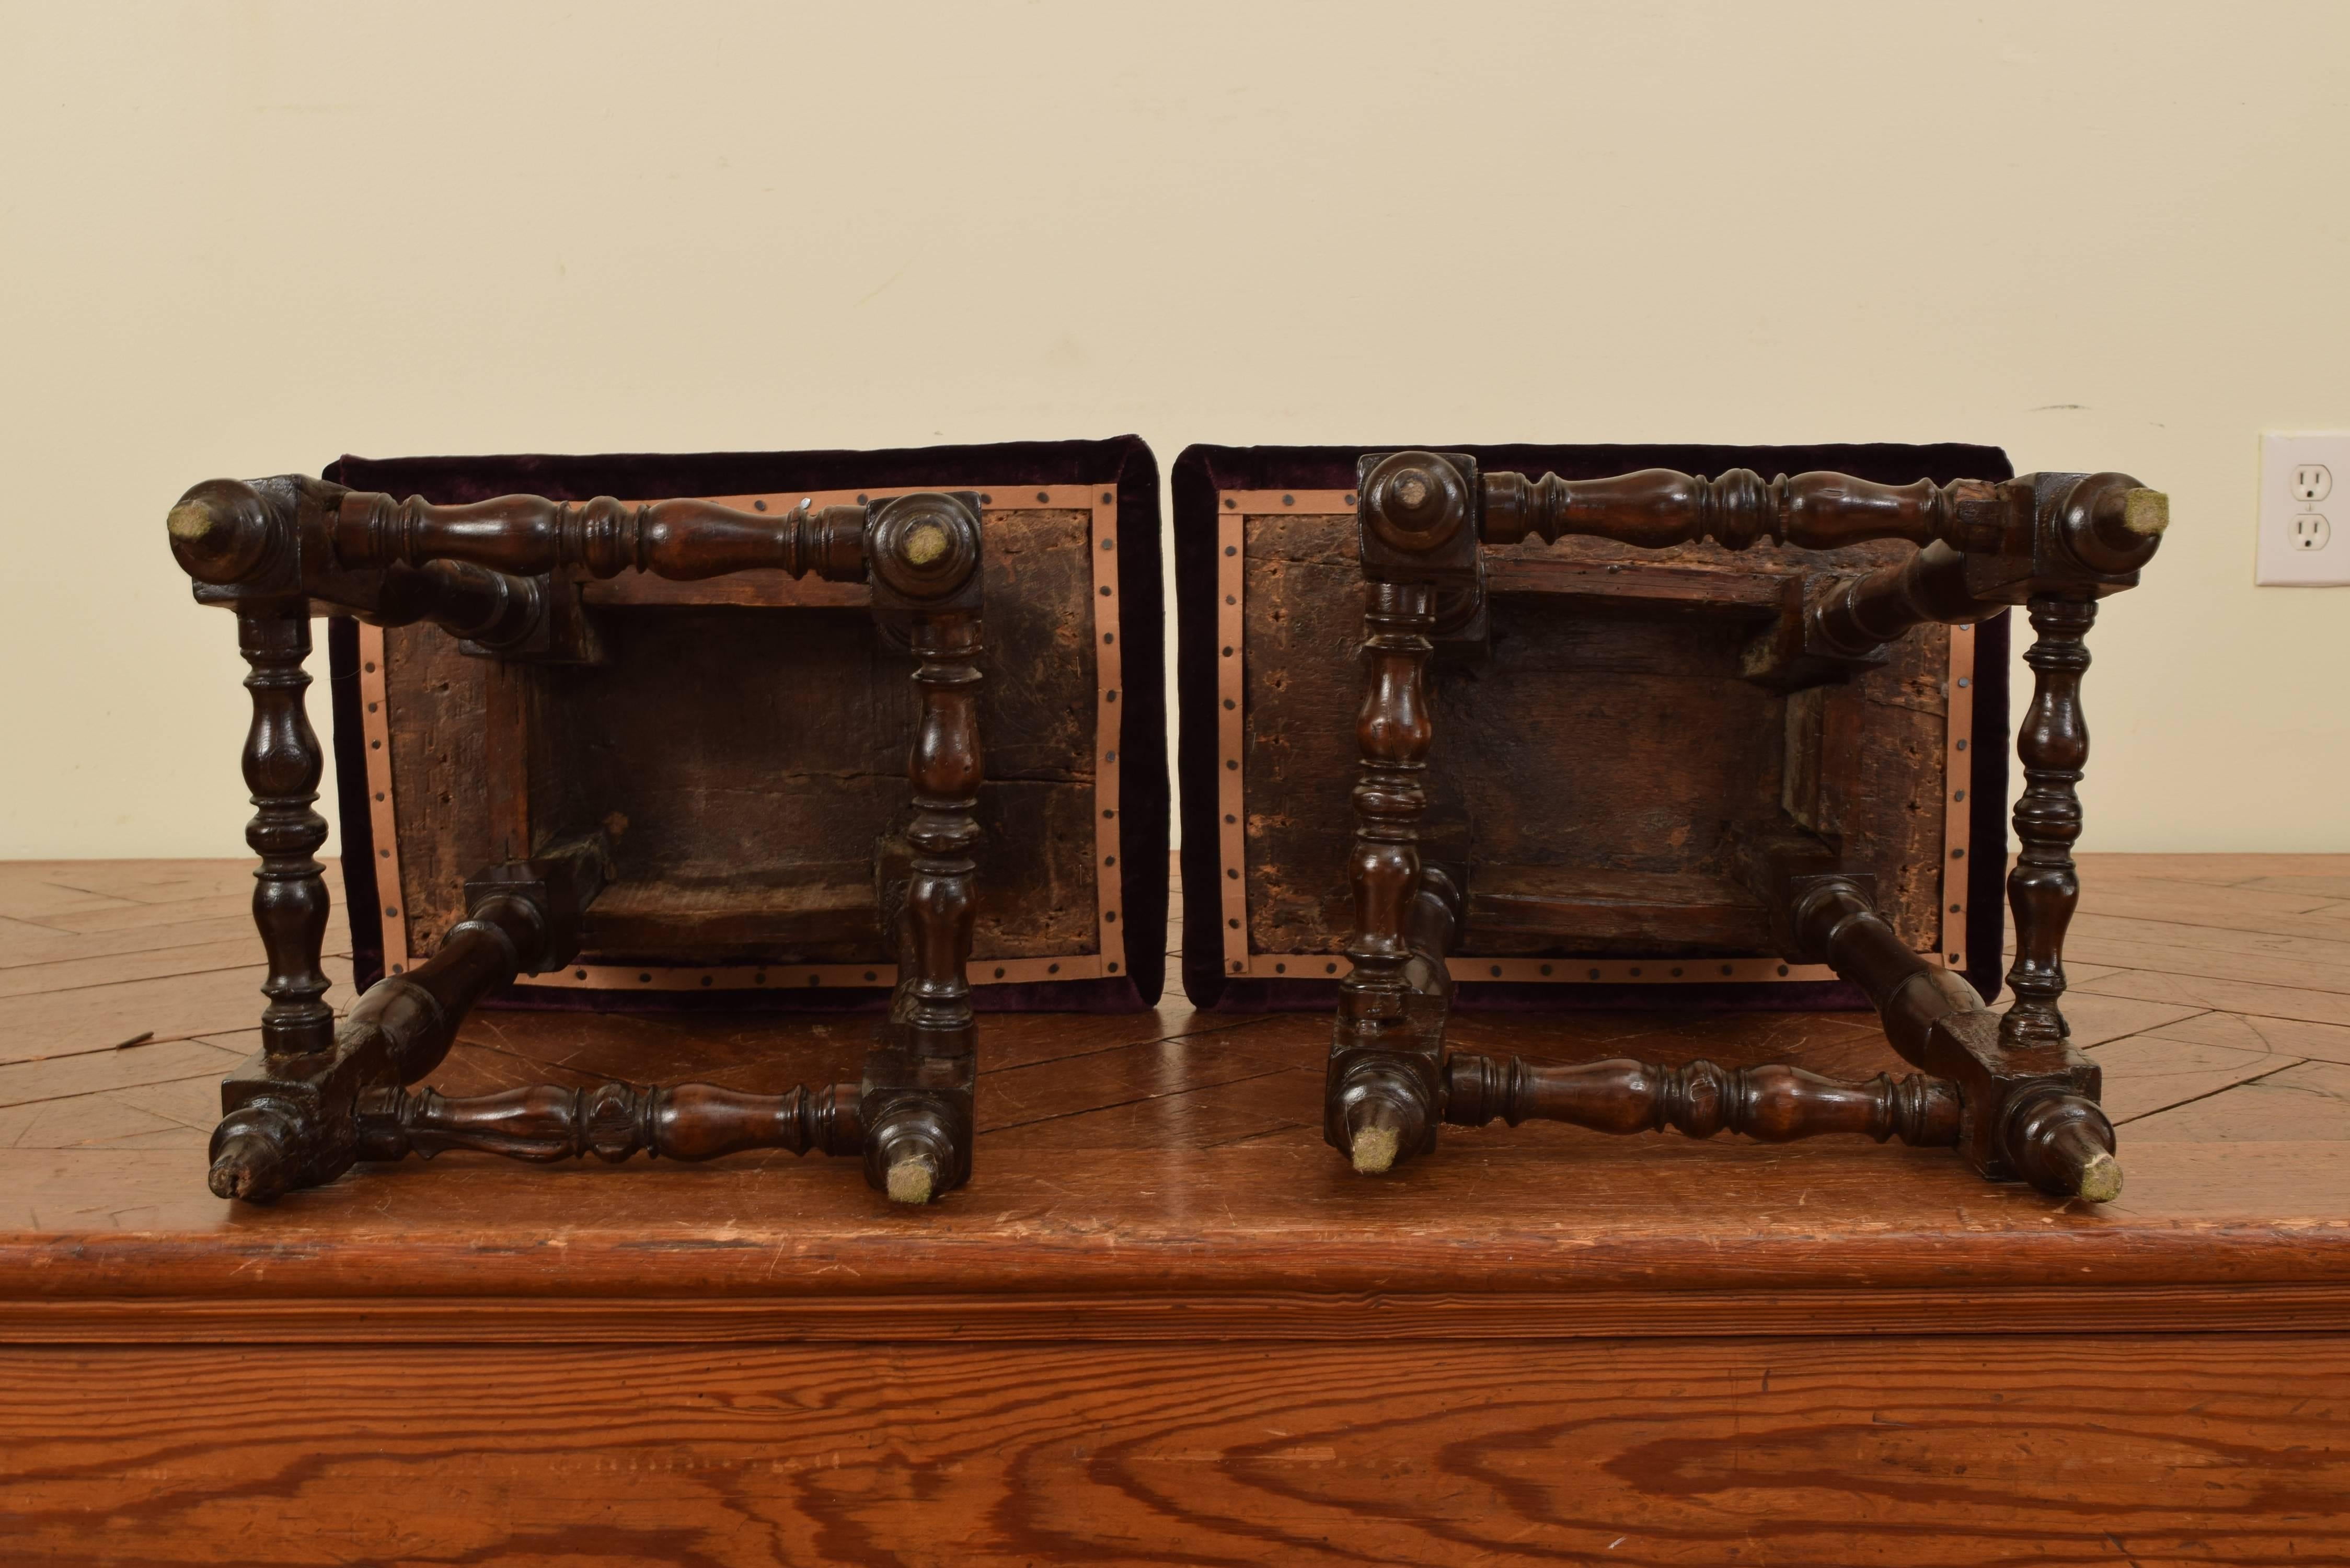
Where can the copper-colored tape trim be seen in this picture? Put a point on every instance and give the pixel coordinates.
(1558, 972)
(1231, 761)
(800, 977)
(1957, 767)
(1233, 508)
(1300, 503)
(1110, 664)
(375, 713)
(1099, 501)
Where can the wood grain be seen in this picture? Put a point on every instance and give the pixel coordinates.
(2246, 997)
(1141, 1336)
(1590, 1213)
(1516, 908)
(25, 945)
(2324, 1042)
(1378, 1316)
(1937, 1451)
(99, 1018)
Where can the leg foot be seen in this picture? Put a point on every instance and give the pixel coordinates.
(911, 1154)
(2063, 1145)
(913, 1179)
(1383, 1115)
(247, 1163)
(1374, 1134)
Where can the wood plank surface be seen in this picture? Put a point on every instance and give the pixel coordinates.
(1142, 1334)
(1645, 1451)
(1171, 1154)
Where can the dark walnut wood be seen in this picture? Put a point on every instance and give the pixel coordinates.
(496, 611)
(2053, 743)
(1657, 506)
(612, 1121)
(1774, 1104)
(2017, 1100)
(682, 541)
(291, 1123)
(283, 766)
(2026, 1112)
(917, 1106)
(1383, 1062)
(272, 538)
(502, 575)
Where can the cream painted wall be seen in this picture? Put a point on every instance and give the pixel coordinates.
(241, 238)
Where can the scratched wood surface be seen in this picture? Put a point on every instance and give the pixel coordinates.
(1164, 1323)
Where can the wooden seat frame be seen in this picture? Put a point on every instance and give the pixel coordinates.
(317, 1098)
(2013, 1092)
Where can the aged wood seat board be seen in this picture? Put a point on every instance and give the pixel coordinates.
(1163, 1322)
(737, 857)
(1606, 754)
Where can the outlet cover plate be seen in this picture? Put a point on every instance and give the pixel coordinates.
(2304, 538)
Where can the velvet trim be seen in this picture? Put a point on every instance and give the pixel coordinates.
(1200, 471)
(1988, 803)
(351, 806)
(1124, 463)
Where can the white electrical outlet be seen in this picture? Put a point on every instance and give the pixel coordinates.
(2298, 500)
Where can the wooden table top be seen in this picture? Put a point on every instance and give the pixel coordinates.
(1162, 1174)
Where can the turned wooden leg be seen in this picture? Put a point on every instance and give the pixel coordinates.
(2027, 1107)
(944, 766)
(283, 766)
(2053, 745)
(612, 1121)
(292, 1121)
(1382, 1092)
(286, 1124)
(1773, 1104)
(918, 1111)
(1395, 731)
